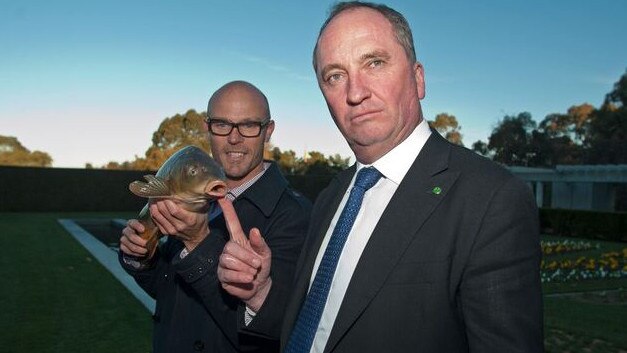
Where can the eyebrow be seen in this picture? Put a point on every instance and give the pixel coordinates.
(376, 54)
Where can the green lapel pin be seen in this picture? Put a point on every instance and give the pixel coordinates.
(436, 190)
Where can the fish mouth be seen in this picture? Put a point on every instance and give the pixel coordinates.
(213, 190)
(216, 189)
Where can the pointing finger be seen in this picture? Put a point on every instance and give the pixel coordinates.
(232, 221)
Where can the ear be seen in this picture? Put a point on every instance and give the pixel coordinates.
(269, 130)
(419, 75)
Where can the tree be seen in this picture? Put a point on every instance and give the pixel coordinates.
(607, 131)
(268, 150)
(315, 163)
(580, 117)
(13, 153)
(286, 160)
(448, 127)
(618, 96)
(573, 124)
(337, 162)
(172, 134)
(583, 135)
(481, 148)
(560, 137)
(511, 140)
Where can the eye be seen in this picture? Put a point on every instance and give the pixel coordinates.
(333, 78)
(250, 125)
(376, 63)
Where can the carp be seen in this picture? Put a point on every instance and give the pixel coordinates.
(190, 177)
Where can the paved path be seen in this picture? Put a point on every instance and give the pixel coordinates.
(109, 259)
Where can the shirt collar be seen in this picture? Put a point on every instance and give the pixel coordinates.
(238, 190)
(266, 191)
(395, 164)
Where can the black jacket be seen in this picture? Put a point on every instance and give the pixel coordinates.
(451, 266)
(193, 313)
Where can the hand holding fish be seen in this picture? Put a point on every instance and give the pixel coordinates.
(191, 228)
(131, 243)
(244, 266)
(180, 193)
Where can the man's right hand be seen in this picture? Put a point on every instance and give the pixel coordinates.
(244, 267)
(131, 243)
(191, 228)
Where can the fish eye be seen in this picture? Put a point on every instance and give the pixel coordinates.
(192, 171)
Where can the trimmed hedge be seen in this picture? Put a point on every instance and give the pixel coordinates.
(29, 189)
(25, 189)
(309, 185)
(610, 226)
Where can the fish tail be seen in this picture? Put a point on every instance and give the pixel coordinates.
(151, 231)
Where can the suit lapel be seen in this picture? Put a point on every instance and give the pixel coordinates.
(394, 232)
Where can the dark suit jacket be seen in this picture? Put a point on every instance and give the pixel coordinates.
(193, 312)
(454, 271)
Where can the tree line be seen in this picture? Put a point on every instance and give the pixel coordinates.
(582, 135)
(181, 130)
(186, 129)
(13, 153)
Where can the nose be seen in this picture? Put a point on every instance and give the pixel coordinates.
(358, 91)
(235, 137)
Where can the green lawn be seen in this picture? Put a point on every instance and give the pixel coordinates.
(55, 297)
(590, 323)
(593, 317)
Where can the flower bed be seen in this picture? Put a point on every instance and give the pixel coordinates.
(565, 246)
(611, 264)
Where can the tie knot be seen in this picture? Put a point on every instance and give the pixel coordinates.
(367, 177)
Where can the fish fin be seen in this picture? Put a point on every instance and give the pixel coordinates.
(155, 187)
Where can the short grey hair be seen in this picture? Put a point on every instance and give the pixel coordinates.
(398, 22)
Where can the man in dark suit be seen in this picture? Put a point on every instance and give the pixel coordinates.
(440, 254)
(193, 313)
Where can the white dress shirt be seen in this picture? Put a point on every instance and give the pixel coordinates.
(393, 165)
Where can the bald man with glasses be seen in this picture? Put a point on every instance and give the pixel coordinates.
(194, 312)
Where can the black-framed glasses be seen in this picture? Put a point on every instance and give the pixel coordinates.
(221, 127)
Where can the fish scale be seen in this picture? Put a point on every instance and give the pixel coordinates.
(190, 177)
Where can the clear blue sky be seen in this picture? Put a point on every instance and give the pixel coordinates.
(90, 81)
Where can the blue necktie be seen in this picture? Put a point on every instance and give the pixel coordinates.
(308, 319)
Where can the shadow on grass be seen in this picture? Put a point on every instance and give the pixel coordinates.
(57, 298)
(586, 316)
